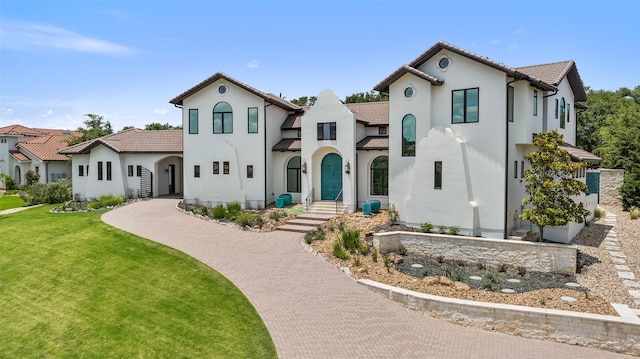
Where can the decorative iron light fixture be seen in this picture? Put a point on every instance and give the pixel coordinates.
(304, 167)
(347, 168)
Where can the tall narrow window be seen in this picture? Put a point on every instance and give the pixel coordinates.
(515, 169)
(510, 98)
(409, 136)
(522, 169)
(193, 121)
(437, 175)
(130, 170)
(196, 171)
(81, 170)
(222, 118)
(293, 175)
(535, 103)
(380, 176)
(216, 168)
(253, 120)
(225, 168)
(100, 174)
(562, 113)
(249, 171)
(556, 109)
(138, 171)
(568, 112)
(108, 171)
(465, 105)
(327, 131)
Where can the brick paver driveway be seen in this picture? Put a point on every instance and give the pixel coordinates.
(313, 310)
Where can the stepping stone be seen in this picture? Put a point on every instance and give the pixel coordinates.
(569, 299)
(622, 267)
(573, 285)
(626, 275)
(513, 280)
(631, 284)
(417, 265)
(508, 291)
(475, 277)
(618, 254)
(619, 260)
(612, 248)
(635, 294)
(612, 234)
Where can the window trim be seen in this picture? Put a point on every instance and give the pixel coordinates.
(522, 169)
(562, 113)
(568, 112)
(100, 171)
(437, 175)
(406, 145)
(322, 128)
(80, 171)
(383, 130)
(138, 171)
(249, 120)
(225, 167)
(384, 175)
(196, 171)
(249, 171)
(193, 130)
(535, 102)
(465, 102)
(297, 172)
(216, 167)
(109, 171)
(510, 103)
(130, 171)
(223, 114)
(557, 109)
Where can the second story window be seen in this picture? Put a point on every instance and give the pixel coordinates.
(510, 107)
(382, 130)
(568, 112)
(222, 118)
(535, 103)
(253, 120)
(327, 131)
(464, 105)
(409, 136)
(562, 113)
(193, 121)
(556, 108)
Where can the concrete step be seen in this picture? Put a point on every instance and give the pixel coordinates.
(294, 228)
(316, 216)
(306, 222)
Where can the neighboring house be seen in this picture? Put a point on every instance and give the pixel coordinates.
(132, 163)
(37, 149)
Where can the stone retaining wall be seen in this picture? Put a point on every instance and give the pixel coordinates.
(610, 183)
(619, 334)
(539, 257)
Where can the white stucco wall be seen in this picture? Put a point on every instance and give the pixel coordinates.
(569, 132)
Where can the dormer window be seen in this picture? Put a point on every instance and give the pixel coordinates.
(382, 130)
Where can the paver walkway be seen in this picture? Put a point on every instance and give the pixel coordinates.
(311, 309)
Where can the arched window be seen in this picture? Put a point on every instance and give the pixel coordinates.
(409, 136)
(293, 175)
(17, 175)
(562, 112)
(222, 118)
(380, 176)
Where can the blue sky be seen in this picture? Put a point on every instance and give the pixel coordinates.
(126, 59)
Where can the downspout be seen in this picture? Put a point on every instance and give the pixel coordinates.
(506, 156)
(265, 154)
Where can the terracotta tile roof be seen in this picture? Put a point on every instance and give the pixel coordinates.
(579, 155)
(371, 113)
(294, 121)
(21, 131)
(553, 73)
(383, 86)
(288, 144)
(46, 148)
(271, 98)
(19, 156)
(373, 143)
(441, 45)
(134, 140)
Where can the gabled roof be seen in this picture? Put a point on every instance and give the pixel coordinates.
(441, 45)
(20, 130)
(133, 140)
(368, 113)
(373, 143)
(46, 148)
(554, 72)
(288, 144)
(579, 155)
(19, 156)
(270, 98)
(383, 86)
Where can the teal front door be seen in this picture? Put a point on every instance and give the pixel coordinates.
(330, 177)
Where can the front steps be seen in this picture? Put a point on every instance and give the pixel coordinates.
(327, 207)
(317, 214)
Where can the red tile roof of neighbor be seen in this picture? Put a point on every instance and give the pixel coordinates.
(134, 140)
(19, 156)
(42, 143)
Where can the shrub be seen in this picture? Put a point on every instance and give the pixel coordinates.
(522, 271)
(481, 266)
(440, 259)
(106, 201)
(31, 177)
(49, 193)
(219, 211)
(634, 212)
(276, 215)
(374, 255)
(454, 230)
(426, 227)
(393, 213)
(234, 208)
(363, 248)
(341, 226)
(339, 252)
(402, 250)
(502, 268)
(204, 211)
(10, 183)
(316, 234)
(357, 261)
(244, 219)
(442, 229)
(351, 239)
(387, 263)
(599, 213)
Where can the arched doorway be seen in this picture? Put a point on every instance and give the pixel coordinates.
(17, 175)
(330, 177)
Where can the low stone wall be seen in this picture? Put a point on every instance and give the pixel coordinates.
(539, 257)
(619, 334)
(610, 183)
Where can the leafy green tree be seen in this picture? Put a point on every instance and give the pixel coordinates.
(621, 137)
(304, 101)
(31, 177)
(155, 126)
(550, 185)
(630, 189)
(96, 127)
(370, 96)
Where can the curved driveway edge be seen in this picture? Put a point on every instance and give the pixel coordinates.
(311, 309)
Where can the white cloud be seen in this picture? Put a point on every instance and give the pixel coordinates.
(159, 112)
(7, 111)
(21, 36)
(254, 64)
(47, 113)
(495, 42)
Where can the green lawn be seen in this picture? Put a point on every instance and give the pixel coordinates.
(7, 202)
(71, 286)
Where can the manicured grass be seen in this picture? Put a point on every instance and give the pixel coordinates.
(71, 286)
(7, 202)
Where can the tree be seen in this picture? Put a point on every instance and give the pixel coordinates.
(550, 185)
(304, 101)
(630, 190)
(95, 128)
(31, 177)
(155, 126)
(370, 96)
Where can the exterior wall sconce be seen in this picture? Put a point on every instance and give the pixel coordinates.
(304, 167)
(347, 168)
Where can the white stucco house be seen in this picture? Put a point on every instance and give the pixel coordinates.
(131, 163)
(448, 147)
(23, 148)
